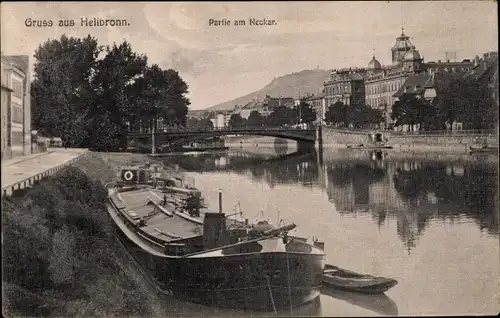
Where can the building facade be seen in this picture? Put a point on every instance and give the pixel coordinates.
(16, 107)
(318, 104)
(271, 103)
(346, 86)
(382, 82)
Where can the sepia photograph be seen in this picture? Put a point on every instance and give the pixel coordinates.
(250, 159)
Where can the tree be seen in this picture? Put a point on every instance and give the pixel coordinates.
(61, 93)
(337, 114)
(93, 103)
(236, 121)
(193, 123)
(467, 100)
(282, 116)
(206, 124)
(255, 120)
(175, 103)
(115, 90)
(363, 116)
(411, 110)
(306, 113)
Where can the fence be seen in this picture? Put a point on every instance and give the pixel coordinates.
(472, 133)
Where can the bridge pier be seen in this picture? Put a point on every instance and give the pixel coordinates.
(319, 143)
(305, 146)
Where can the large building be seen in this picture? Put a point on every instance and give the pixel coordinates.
(377, 85)
(318, 104)
(346, 86)
(16, 107)
(381, 82)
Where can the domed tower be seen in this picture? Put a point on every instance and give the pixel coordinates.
(402, 46)
(374, 64)
(412, 61)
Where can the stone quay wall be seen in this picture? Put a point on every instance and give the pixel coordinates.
(439, 141)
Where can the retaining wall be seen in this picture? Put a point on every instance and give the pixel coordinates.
(437, 142)
(29, 181)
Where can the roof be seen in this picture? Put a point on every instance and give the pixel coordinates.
(415, 84)
(412, 55)
(483, 66)
(19, 61)
(316, 97)
(7, 88)
(374, 64)
(403, 43)
(345, 77)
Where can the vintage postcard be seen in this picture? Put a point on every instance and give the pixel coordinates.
(236, 159)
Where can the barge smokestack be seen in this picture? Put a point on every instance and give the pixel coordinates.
(214, 230)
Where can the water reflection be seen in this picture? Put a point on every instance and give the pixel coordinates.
(411, 191)
(178, 308)
(380, 304)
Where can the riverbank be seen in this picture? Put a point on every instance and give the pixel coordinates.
(61, 256)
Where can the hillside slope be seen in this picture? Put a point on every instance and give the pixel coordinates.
(290, 85)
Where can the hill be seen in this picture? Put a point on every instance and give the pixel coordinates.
(290, 85)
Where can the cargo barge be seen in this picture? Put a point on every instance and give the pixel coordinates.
(201, 256)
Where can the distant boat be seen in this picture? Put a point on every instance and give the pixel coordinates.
(369, 147)
(488, 149)
(355, 282)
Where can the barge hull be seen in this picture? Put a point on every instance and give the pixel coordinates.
(237, 281)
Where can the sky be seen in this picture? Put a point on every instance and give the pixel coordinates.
(220, 63)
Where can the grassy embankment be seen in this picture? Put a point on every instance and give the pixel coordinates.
(60, 254)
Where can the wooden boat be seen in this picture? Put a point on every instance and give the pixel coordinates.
(487, 149)
(369, 147)
(336, 277)
(378, 303)
(202, 259)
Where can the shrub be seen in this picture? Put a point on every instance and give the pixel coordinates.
(59, 249)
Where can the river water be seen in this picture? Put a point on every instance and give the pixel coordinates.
(428, 220)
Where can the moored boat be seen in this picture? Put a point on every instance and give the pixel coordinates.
(369, 147)
(201, 259)
(337, 277)
(484, 149)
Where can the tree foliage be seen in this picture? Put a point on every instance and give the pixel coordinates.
(466, 100)
(255, 120)
(199, 124)
(236, 121)
(306, 113)
(282, 116)
(357, 116)
(62, 90)
(413, 110)
(92, 102)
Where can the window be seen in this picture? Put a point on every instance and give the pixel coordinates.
(18, 88)
(17, 113)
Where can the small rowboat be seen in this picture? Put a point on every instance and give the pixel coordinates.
(339, 278)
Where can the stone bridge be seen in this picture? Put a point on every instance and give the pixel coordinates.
(172, 137)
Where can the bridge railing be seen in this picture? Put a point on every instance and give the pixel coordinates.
(222, 129)
(471, 132)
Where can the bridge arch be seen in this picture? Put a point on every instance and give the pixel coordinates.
(180, 136)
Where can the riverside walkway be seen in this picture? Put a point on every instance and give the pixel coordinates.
(21, 172)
